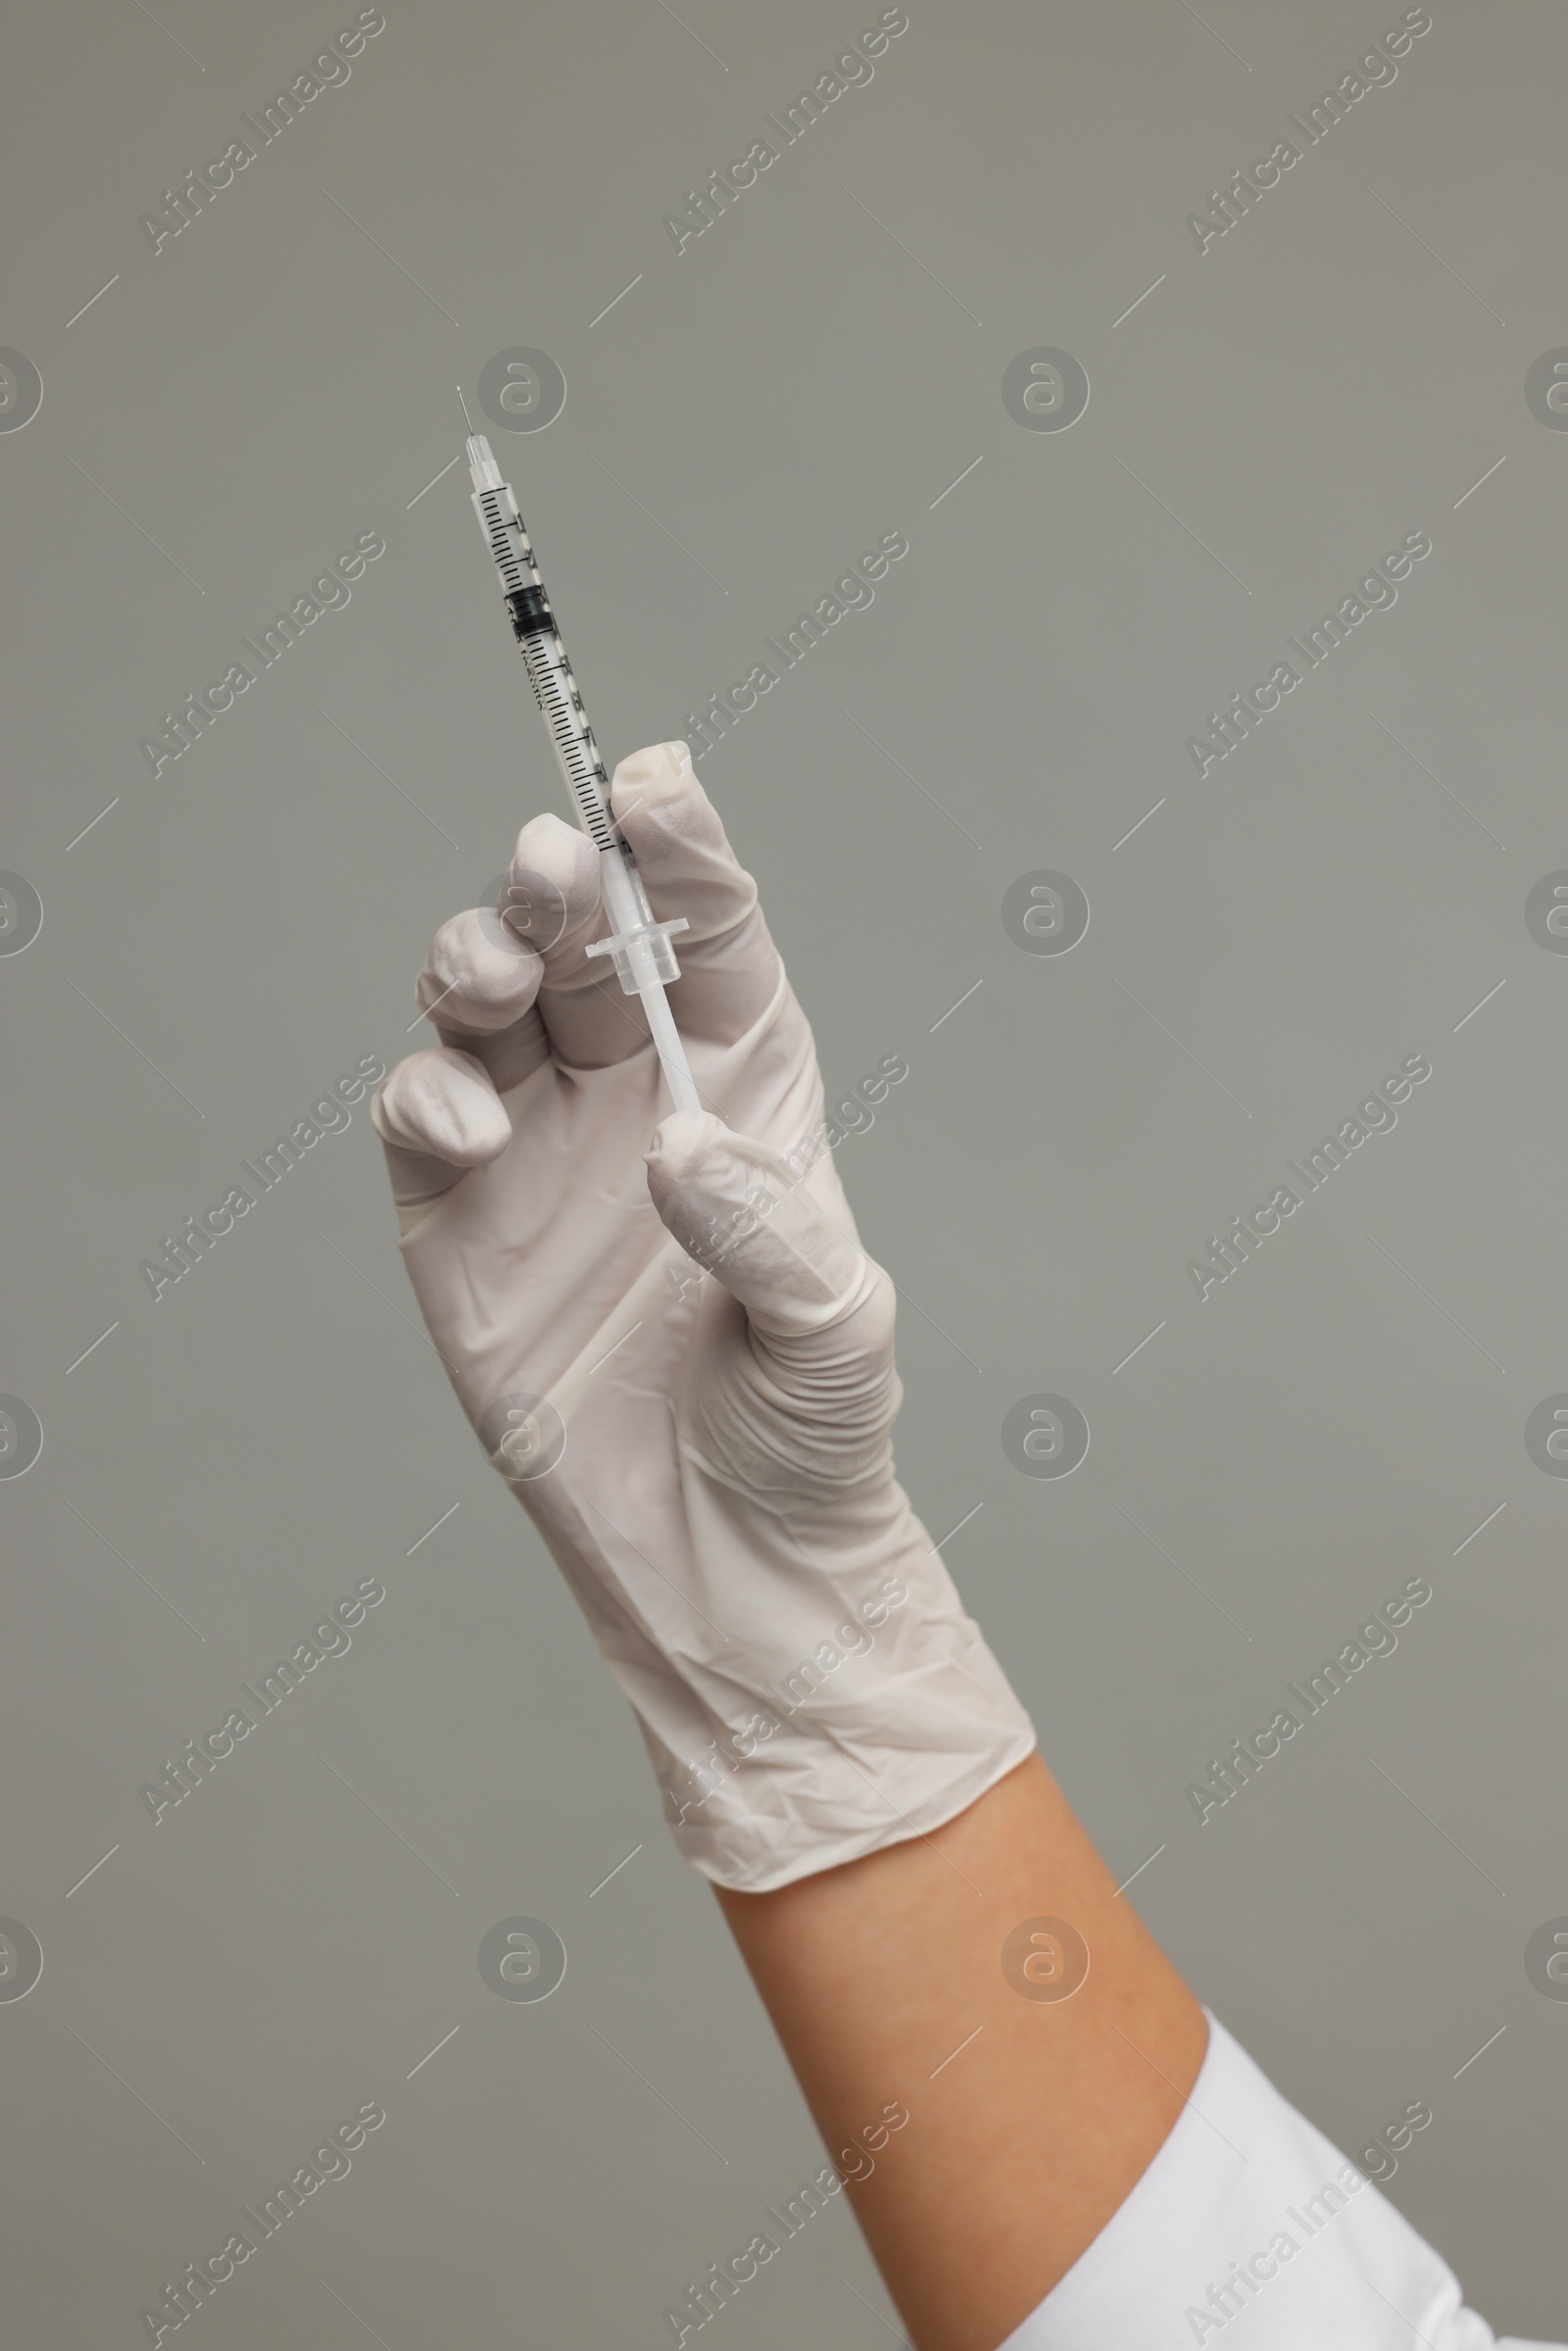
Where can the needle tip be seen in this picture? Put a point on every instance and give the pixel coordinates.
(466, 418)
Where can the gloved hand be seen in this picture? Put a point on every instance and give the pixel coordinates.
(671, 1345)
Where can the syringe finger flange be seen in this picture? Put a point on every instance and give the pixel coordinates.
(643, 953)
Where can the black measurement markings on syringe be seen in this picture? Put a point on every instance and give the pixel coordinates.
(578, 750)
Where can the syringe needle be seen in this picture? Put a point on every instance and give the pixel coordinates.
(466, 418)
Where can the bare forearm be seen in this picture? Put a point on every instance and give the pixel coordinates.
(1019, 2148)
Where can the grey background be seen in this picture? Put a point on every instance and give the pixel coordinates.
(230, 1984)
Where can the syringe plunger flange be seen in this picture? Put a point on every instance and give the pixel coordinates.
(643, 954)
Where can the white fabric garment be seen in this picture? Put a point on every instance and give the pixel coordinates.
(1248, 2197)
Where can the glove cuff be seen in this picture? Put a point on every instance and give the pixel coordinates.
(890, 1726)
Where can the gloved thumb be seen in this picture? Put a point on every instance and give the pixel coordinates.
(744, 1216)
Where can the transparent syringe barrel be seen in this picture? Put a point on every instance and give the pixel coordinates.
(639, 947)
(549, 670)
(556, 692)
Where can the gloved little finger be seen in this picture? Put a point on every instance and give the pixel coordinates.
(438, 1114)
(478, 985)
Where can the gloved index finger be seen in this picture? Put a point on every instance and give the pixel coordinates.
(729, 965)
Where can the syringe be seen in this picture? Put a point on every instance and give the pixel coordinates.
(643, 955)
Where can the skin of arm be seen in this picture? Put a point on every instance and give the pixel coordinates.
(1016, 2150)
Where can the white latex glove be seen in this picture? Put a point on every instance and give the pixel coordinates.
(707, 1452)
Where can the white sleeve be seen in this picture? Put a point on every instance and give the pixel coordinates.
(1251, 2232)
